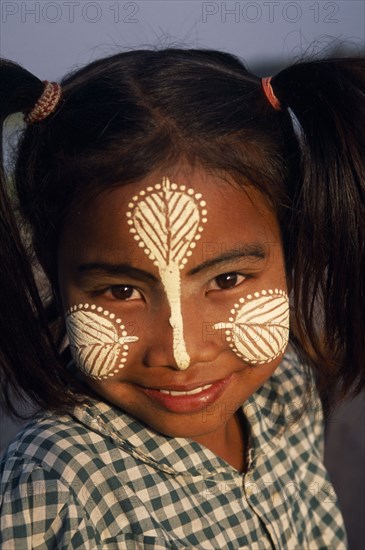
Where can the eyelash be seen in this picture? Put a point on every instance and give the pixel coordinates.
(229, 274)
(116, 288)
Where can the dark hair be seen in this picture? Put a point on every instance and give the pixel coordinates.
(125, 116)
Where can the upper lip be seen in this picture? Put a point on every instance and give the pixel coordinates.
(184, 387)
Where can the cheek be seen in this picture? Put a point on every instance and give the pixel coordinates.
(258, 329)
(98, 339)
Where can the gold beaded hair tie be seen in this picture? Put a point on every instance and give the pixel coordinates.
(46, 104)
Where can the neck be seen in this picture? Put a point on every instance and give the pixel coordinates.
(229, 442)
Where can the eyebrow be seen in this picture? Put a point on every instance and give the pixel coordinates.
(254, 250)
(117, 269)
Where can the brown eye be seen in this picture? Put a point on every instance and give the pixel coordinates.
(124, 292)
(228, 280)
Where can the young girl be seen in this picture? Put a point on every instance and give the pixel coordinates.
(175, 212)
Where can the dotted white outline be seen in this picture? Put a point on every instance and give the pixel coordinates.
(118, 325)
(234, 311)
(201, 204)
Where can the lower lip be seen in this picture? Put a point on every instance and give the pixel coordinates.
(188, 403)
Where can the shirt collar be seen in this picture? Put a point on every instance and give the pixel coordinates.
(266, 413)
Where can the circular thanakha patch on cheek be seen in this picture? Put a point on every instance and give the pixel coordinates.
(98, 340)
(258, 330)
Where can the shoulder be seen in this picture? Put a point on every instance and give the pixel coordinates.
(293, 386)
(60, 479)
(37, 508)
(48, 441)
(65, 449)
(42, 459)
(291, 379)
(290, 402)
(287, 453)
(301, 405)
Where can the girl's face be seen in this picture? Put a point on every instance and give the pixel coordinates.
(174, 293)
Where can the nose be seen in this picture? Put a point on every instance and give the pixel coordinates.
(201, 341)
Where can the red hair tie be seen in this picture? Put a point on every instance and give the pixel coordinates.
(46, 104)
(273, 100)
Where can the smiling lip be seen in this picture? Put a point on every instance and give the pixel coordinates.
(180, 399)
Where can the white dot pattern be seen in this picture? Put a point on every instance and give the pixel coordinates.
(98, 341)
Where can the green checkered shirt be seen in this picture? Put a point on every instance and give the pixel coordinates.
(99, 479)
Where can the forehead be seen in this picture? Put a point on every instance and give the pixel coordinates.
(235, 215)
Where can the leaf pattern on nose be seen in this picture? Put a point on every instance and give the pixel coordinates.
(166, 220)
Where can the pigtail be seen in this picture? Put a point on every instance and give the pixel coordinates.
(27, 350)
(326, 247)
(129, 107)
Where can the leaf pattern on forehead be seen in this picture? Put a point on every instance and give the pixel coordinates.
(166, 220)
(177, 220)
(259, 330)
(98, 345)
